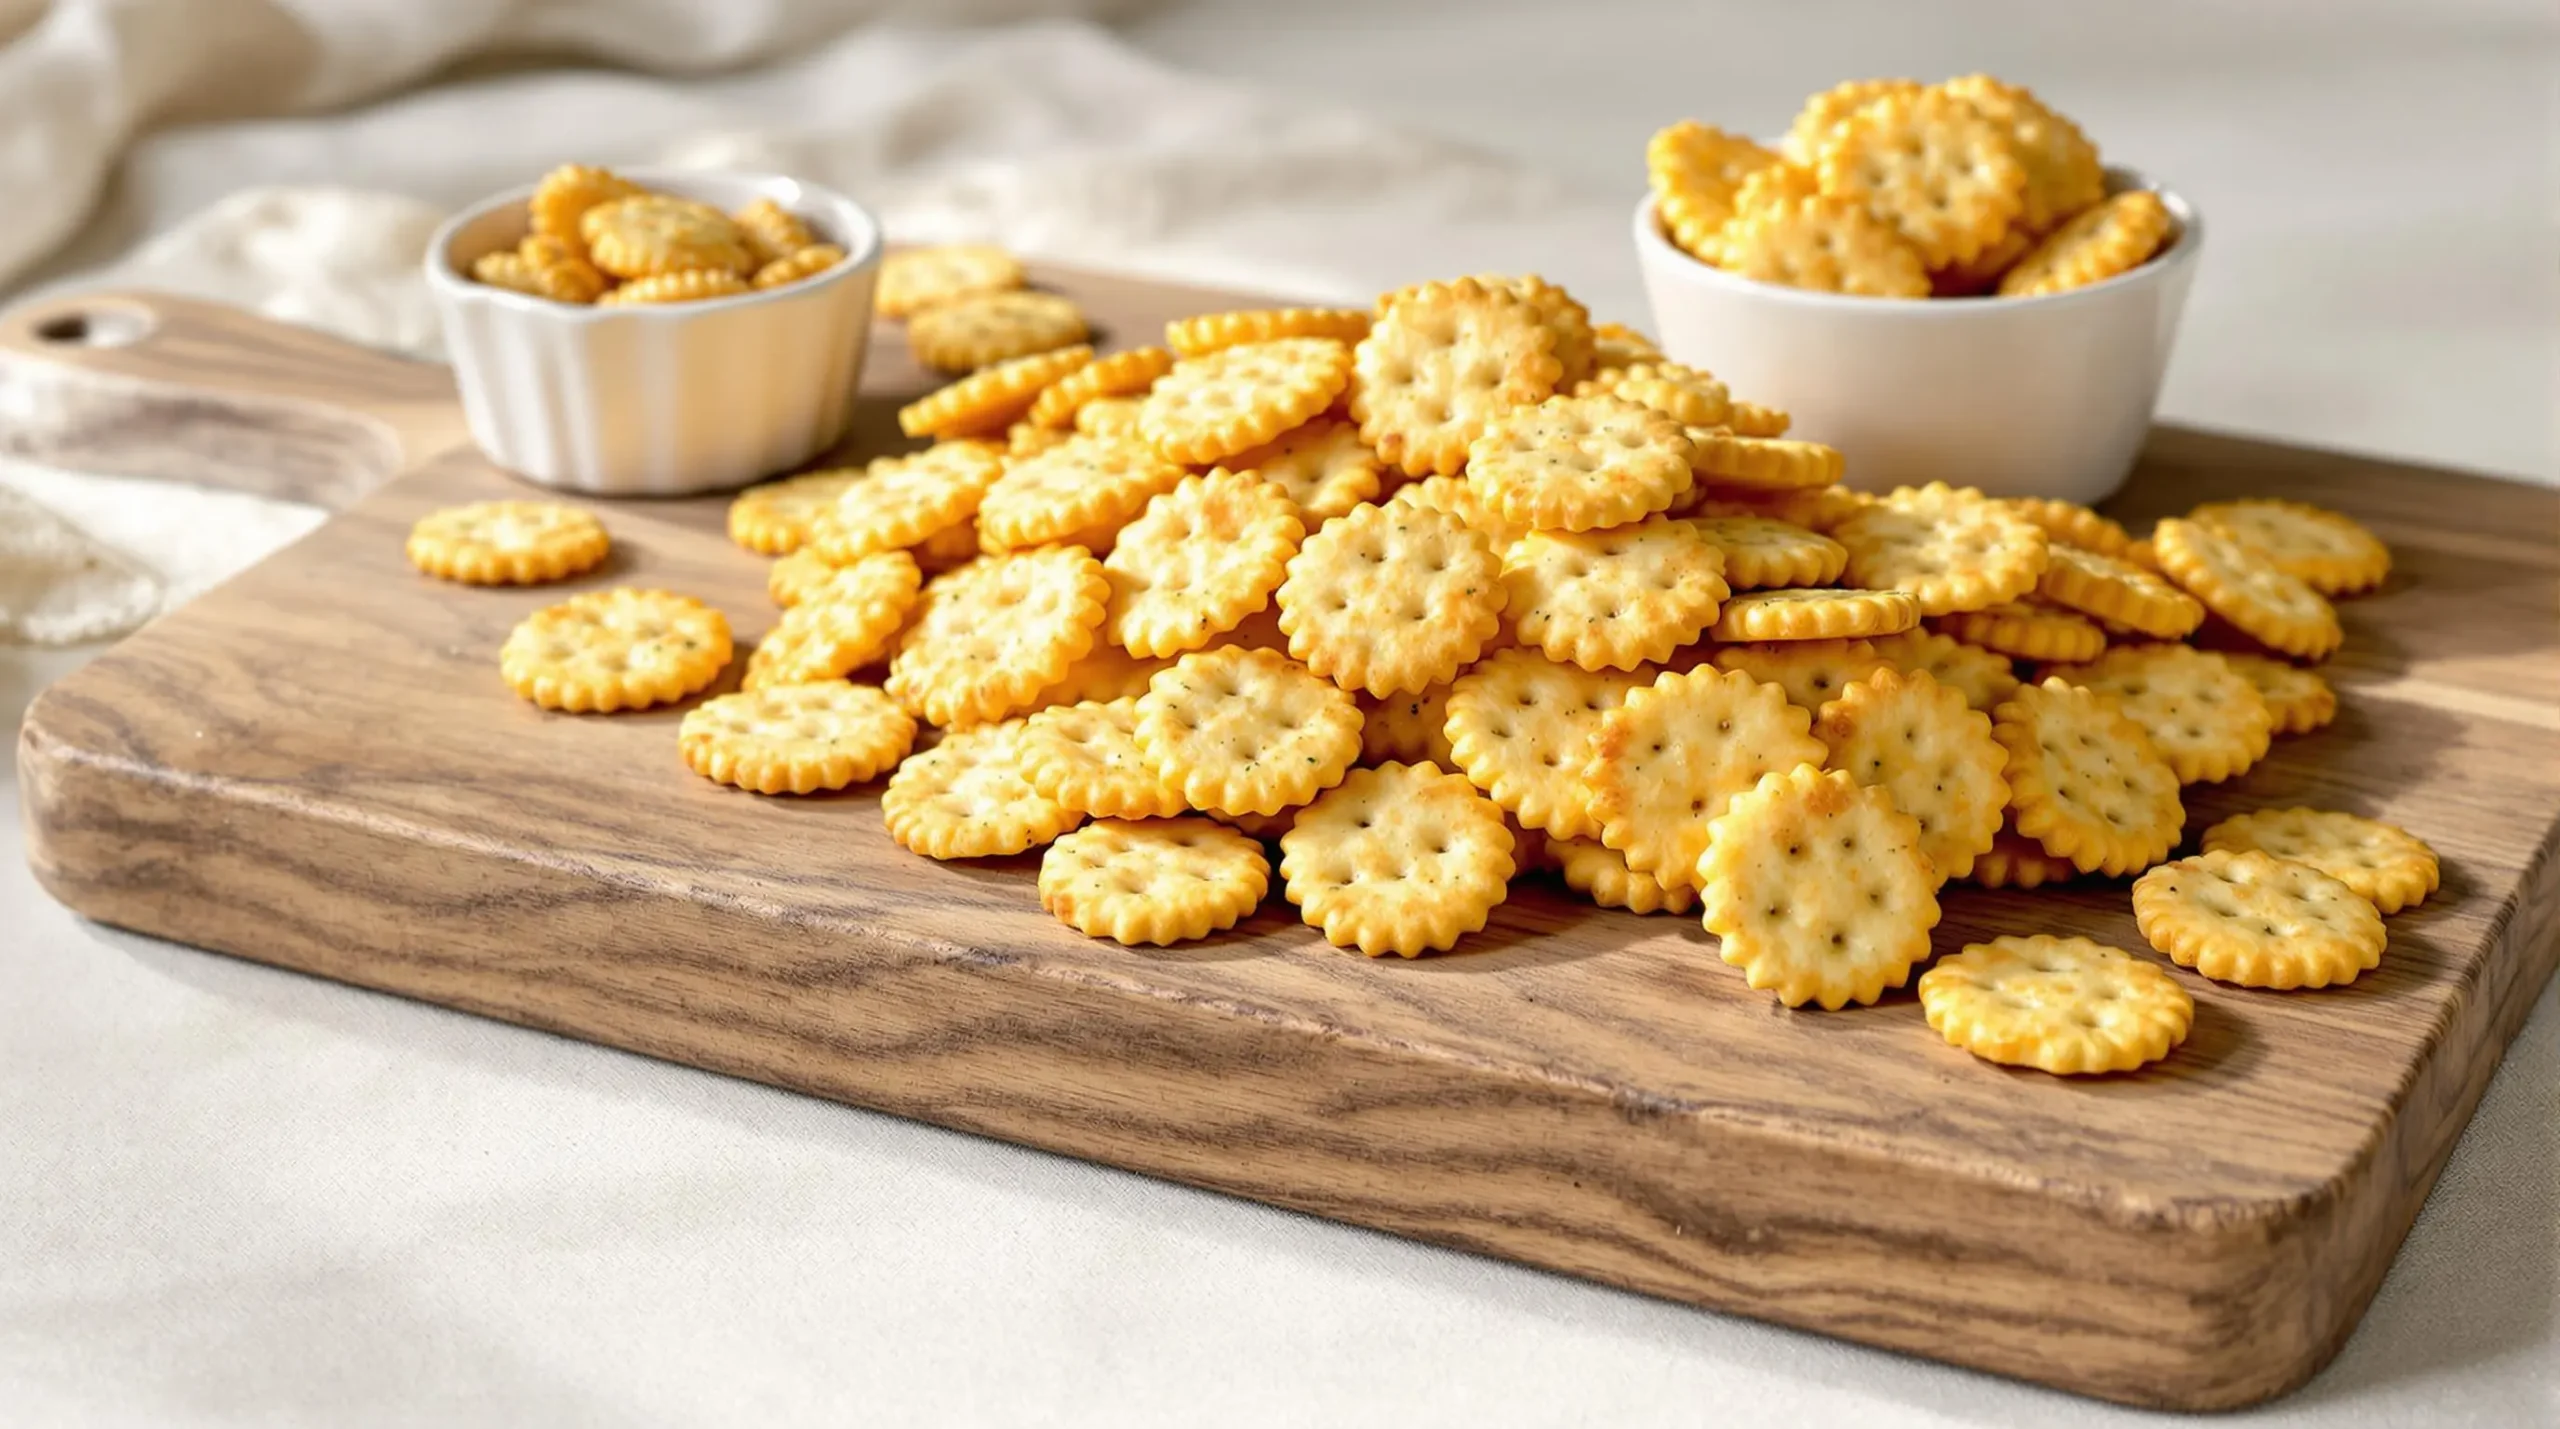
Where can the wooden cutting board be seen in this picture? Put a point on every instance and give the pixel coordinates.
(317, 766)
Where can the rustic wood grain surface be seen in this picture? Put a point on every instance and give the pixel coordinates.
(317, 766)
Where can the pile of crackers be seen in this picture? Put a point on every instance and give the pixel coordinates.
(599, 238)
(1890, 188)
(1462, 587)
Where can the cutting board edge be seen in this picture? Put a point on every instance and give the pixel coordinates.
(2258, 1308)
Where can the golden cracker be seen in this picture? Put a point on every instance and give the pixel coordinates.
(1822, 243)
(1321, 465)
(984, 329)
(990, 400)
(796, 739)
(915, 279)
(1600, 873)
(1440, 364)
(1212, 407)
(2084, 781)
(1669, 758)
(1684, 394)
(2204, 717)
(1950, 547)
(2113, 238)
(773, 518)
(644, 235)
(1407, 729)
(2254, 920)
(1078, 486)
(1201, 558)
(966, 798)
(2028, 630)
(1760, 553)
(684, 285)
(2118, 592)
(1817, 889)
(842, 622)
(796, 266)
(1400, 859)
(1520, 727)
(902, 501)
(990, 635)
(1986, 679)
(2298, 700)
(2244, 588)
(1391, 598)
(1812, 672)
(1932, 754)
(1245, 731)
(1614, 599)
(1814, 613)
(619, 649)
(1764, 463)
(508, 543)
(2063, 173)
(1932, 167)
(1156, 881)
(1695, 170)
(1122, 374)
(2068, 1006)
(563, 197)
(2333, 554)
(2016, 861)
(773, 232)
(1578, 463)
(1205, 333)
(2385, 864)
(1085, 756)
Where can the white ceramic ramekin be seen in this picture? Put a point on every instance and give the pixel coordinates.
(2047, 396)
(659, 400)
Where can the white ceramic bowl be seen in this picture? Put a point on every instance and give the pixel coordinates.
(2046, 396)
(668, 399)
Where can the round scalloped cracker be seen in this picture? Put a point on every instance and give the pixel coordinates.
(966, 798)
(645, 235)
(915, 279)
(1579, 463)
(983, 329)
(2254, 920)
(1321, 465)
(2204, 717)
(2117, 591)
(1201, 558)
(2276, 610)
(1210, 408)
(1520, 726)
(1812, 672)
(1761, 552)
(1391, 598)
(1079, 485)
(1820, 242)
(842, 622)
(508, 543)
(1686, 395)
(2028, 630)
(1400, 859)
(2084, 781)
(792, 578)
(1086, 757)
(1985, 678)
(1765, 463)
(1110, 417)
(2298, 700)
(1568, 320)
(619, 649)
(990, 635)
(1817, 889)
(774, 232)
(565, 194)
(2385, 864)
(1931, 166)
(1440, 364)
(773, 519)
(1695, 170)
(685, 285)
(991, 400)
(799, 265)
(2068, 523)
(1456, 496)
(1932, 754)
(2333, 554)
(1950, 547)
(1766, 188)
(1407, 729)
(903, 501)
(1675, 752)
(2112, 238)
(1823, 112)
(2068, 1006)
(796, 739)
(1155, 881)
(2063, 173)
(1818, 613)
(1205, 333)
(1600, 873)
(2016, 861)
(1122, 374)
(1614, 599)
(1245, 731)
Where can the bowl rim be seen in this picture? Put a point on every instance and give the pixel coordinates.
(451, 283)
(1656, 250)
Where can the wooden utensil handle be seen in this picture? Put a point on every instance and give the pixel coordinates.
(154, 385)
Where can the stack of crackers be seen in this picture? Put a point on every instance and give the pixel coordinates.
(1890, 188)
(601, 238)
(1465, 586)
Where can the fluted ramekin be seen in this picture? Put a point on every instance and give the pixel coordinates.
(659, 399)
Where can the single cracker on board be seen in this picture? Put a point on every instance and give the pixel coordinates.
(2333, 554)
(1820, 242)
(2385, 864)
(1669, 758)
(1197, 561)
(966, 798)
(1520, 726)
(1081, 484)
(903, 501)
(1153, 881)
(1952, 548)
(2298, 699)
(1211, 407)
(773, 519)
(1322, 465)
(1931, 166)
(796, 739)
(1760, 553)
(1600, 873)
(1812, 672)
(1440, 364)
(2028, 630)
(1397, 860)
(508, 543)
(987, 328)
(2117, 591)
(1817, 889)
(1204, 333)
(2084, 781)
(1930, 752)
(1391, 598)
(1086, 757)
(990, 635)
(2204, 717)
(1122, 374)
(2115, 237)
(1985, 678)
(2276, 610)
(1246, 731)
(2069, 1006)
(915, 279)
(2254, 920)
(1579, 463)
(619, 649)
(842, 622)
(1614, 599)
(1818, 613)
(988, 401)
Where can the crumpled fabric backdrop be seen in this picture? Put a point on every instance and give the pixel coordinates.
(230, 1195)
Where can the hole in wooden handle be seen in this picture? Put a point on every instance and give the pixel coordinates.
(106, 326)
